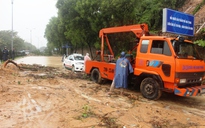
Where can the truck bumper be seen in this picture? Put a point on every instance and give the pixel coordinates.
(190, 91)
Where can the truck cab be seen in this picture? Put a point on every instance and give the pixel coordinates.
(172, 64)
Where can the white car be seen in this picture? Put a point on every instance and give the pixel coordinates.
(74, 62)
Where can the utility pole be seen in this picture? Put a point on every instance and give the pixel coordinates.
(30, 30)
(12, 35)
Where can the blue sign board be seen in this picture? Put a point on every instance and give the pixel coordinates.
(66, 46)
(177, 22)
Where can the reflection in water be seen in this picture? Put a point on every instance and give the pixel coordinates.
(54, 61)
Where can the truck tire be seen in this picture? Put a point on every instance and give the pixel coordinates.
(150, 89)
(95, 76)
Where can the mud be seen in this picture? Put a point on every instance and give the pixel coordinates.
(49, 97)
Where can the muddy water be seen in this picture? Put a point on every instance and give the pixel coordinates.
(54, 61)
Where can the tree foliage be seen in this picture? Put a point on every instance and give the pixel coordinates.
(79, 21)
(18, 43)
(200, 38)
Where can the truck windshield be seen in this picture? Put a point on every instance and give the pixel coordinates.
(185, 50)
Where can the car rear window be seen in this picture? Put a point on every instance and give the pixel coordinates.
(78, 57)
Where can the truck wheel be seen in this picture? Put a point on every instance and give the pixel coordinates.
(150, 89)
(95, 76)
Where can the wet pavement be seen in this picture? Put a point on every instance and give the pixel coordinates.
(54, 61)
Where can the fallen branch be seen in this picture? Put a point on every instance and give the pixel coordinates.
(20, 67)
(11, 61)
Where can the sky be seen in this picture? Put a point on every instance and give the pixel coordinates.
(30, 18)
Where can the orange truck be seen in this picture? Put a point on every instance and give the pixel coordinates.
(160, 63)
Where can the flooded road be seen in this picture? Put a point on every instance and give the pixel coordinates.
(54, 61)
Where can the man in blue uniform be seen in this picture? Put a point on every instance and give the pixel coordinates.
(122, 69)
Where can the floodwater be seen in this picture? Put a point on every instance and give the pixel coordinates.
(54, 61)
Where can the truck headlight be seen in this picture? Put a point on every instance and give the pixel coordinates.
(201, 78)
(181, 81)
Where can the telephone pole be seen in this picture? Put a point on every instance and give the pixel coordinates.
(12, 34)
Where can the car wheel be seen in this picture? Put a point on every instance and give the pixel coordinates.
(95, 76)
(150, 89)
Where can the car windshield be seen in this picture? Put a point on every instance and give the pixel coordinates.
(78, 57)
(185, 50)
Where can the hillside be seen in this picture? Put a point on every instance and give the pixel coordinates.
(199, 15)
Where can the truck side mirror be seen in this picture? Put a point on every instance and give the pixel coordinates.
(181, 39)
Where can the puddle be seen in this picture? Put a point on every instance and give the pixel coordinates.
(41, 60)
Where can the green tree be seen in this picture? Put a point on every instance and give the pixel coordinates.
(54, 34)
(84, 18)
(5, 38)
(79, 21)
(18, 43)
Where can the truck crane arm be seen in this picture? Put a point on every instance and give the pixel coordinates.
(139, 30)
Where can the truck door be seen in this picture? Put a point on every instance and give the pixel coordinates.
(155, 57)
